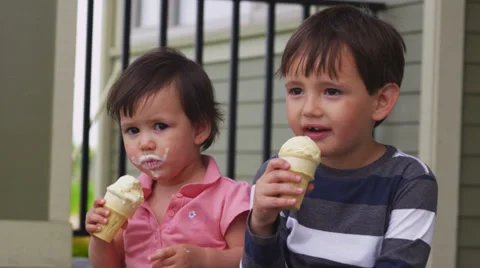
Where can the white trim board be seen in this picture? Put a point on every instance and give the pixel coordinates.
(440, 116)
(61, 144)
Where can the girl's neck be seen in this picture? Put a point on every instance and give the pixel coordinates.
(192, 173)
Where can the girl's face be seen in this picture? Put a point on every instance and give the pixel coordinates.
(159, 138)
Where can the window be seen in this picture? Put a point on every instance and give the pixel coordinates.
(182, 16)
(183, 12)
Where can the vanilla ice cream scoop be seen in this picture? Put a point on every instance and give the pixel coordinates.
(301, 146)
(129, 188)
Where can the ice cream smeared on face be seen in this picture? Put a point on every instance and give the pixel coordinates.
(301, 146)
(150, 161)
(128, 188)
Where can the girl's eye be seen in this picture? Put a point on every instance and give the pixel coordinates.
(132, 130)
(332, 91)
(296, 91)
(160, 126)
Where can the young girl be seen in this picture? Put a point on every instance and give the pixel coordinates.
(192, 216)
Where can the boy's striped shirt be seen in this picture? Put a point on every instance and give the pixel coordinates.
(381, 215)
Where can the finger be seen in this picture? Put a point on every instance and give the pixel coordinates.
(102, 211)
(98, 202)
(282, 176)
(169, 262)
(277, 163)
(276, 202)
(162, 254)
(93, 228)
(96, 218)
(157, 264)
(276, 189)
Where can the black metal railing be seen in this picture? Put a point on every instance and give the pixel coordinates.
(233, 75)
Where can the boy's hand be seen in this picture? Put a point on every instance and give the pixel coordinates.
(97, 216)
(267, 202)
(178, 256)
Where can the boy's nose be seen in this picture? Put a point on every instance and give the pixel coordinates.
(312, 107)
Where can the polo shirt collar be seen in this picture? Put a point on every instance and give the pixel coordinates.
(212, 174)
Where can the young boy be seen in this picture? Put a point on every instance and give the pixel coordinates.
(370, 204)
(192, 216)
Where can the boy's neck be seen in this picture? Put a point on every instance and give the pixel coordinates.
(361, 156)
(192, 173)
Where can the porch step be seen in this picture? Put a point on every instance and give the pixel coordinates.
(81, 263)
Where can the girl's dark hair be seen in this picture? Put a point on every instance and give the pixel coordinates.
(157, 69)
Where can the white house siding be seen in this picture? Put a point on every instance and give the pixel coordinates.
(469, 218)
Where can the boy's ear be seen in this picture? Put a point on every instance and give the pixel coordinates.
(385, 100)
(202, 131)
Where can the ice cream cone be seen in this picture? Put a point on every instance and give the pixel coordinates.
(122, 198)
(121, 210)
(303, 155)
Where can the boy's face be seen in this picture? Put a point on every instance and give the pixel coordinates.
(159, 138)
(338, 114)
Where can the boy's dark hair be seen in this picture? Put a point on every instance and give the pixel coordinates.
(378, 49)
(157, 69)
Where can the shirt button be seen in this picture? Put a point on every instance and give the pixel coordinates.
(179, 195)
(170, 213)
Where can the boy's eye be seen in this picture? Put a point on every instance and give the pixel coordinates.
(296, 91)
(132, 130)
(160, 126)
(332, 91)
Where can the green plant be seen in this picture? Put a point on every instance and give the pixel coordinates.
(80, 246)
(75, 196)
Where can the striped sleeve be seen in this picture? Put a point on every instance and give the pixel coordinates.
(260, 252)
(409, 235)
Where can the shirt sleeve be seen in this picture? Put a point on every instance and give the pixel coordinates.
(237, 201)
(262, 251)
(409, 234)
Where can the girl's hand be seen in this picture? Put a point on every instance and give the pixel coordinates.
(179, 256)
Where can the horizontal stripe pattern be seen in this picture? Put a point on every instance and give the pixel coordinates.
(362, 249)
(342, 218)
(411, 224)
(382, 215)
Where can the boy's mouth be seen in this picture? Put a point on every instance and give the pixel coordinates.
(315, 129)
(316, 132)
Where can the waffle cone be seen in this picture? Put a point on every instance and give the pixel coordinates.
(121, 210)
(115, 222)
(299, 197)
(305, 167)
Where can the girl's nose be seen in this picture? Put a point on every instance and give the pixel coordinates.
(147, 143)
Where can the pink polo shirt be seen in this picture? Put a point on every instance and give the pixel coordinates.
(198, 214)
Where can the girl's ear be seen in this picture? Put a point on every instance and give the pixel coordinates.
(202, 132)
